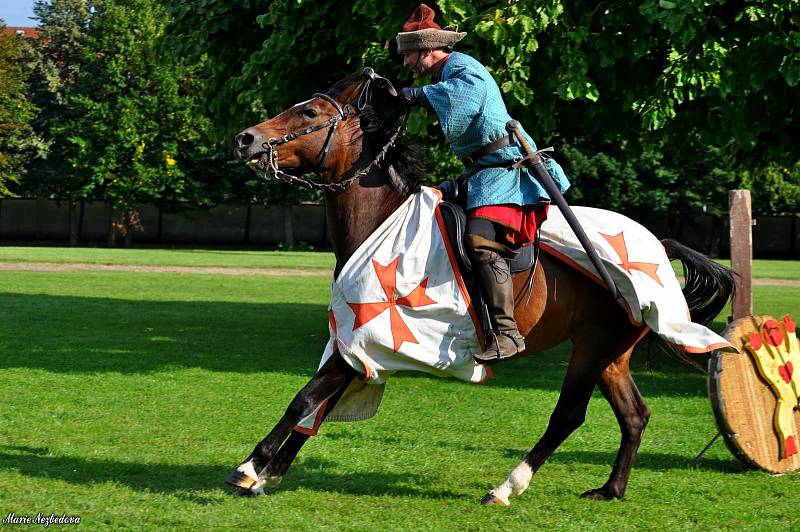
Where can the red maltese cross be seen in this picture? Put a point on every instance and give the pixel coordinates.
(618, 243)
(387, 276)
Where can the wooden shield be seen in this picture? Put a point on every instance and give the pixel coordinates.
(744, 403)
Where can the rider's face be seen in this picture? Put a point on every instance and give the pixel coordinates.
(415, 61)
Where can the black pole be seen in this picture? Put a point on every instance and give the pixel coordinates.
(536, 163)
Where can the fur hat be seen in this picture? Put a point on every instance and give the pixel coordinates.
(420, 32)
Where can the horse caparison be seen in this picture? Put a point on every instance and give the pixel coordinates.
(564, 305)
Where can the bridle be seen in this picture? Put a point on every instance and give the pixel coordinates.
(332, 123)
(364, 96)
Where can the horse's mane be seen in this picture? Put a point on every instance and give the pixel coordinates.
(407, 159)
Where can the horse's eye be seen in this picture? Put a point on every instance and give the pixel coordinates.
(309, 113)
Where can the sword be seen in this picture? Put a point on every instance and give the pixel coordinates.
(535, 162)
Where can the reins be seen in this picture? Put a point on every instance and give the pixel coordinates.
(270, 146)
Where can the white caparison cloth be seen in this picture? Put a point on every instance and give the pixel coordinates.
(400, 304)
(640, 268)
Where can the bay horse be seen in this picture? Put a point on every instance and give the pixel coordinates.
(367, 171)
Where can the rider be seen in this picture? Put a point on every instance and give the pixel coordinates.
(505, 205)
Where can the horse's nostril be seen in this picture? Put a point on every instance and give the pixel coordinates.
(243, 140)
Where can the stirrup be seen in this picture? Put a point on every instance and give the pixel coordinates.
(493, 353)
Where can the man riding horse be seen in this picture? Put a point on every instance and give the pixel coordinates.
(505, 204)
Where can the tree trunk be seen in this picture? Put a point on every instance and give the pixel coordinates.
(288, 227)
(73, 223)
(112, 229)
(130, 227)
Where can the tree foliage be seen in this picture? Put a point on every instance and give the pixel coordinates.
(55, 62)
(653, 106)
(132, 123)
(672, 101)
(18, 141)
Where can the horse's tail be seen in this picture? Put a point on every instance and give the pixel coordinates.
(708, 286)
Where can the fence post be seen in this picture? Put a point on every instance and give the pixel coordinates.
(741, 251)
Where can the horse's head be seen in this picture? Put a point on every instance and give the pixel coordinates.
(310, 136)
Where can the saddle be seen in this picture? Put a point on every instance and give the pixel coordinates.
(455, 222)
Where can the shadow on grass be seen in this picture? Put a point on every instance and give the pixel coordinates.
(94, 335)
(644, 460)
(186, 480)
(91, 335)
(189, 481)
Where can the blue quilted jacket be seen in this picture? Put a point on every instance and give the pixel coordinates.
(472, 114)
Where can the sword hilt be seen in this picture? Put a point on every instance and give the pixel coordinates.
(531, 156)
(513, 127)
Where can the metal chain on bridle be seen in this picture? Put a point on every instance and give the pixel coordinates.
(363, 99)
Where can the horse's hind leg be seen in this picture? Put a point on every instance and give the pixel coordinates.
(632, 414)
(332, 378)
(569, 414)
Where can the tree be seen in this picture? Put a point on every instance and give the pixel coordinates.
(55, 61)
(222, 36)
(653, 106)
(706, 89)
(17, 139)
(132, 123)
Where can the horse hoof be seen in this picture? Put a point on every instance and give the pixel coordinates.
(244, 476)
(490, 499)
(599, 494)
(237, 479)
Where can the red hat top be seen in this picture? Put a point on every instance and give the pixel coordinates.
(421, 19)
(420, 32)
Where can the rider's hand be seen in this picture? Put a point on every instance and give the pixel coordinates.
(411, 96)
(449, 190)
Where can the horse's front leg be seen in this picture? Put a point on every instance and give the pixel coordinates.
(279, 465)
(329, 382)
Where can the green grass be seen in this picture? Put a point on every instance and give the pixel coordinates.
(762, 269)
(171, 257)
(774, 269)
(128, 397)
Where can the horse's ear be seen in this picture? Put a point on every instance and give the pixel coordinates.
(380, 81)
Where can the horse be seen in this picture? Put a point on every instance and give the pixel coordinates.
(366, 171)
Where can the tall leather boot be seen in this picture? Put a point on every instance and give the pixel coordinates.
(494, 279)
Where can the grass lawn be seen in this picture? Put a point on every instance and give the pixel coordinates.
(171, 257)
(773, 269)
(128, 397)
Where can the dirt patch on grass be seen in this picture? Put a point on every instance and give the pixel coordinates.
(205, 270)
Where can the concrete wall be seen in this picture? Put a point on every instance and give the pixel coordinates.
(32, 220)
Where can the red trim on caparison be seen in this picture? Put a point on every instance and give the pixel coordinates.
(317, 421)
(459, 280)
(489, 375)
(694, 350)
